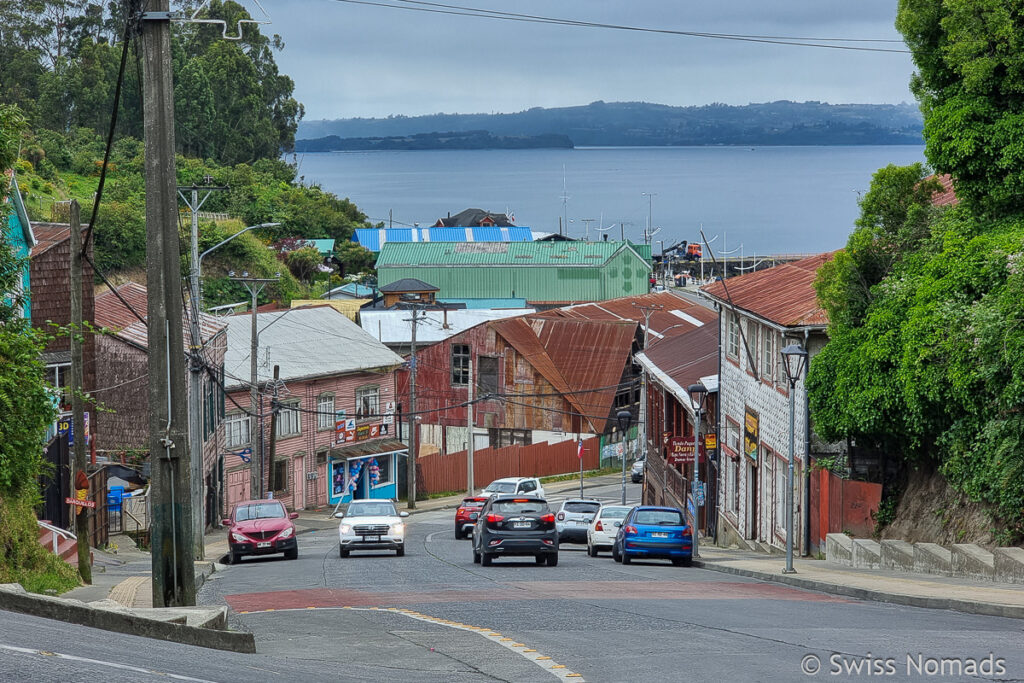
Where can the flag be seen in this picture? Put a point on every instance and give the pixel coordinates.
(579, 449)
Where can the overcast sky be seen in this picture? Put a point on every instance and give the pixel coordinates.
(351, 60)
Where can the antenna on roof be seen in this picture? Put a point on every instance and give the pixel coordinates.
(564, 198)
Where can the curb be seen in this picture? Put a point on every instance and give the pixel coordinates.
(75, 612)
(969, 607)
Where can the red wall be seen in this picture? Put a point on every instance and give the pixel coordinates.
(842, 505)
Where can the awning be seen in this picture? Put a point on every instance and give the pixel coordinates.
(367, 448)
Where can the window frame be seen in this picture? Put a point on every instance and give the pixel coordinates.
(460, 355)
(732, 345)
(283, 464)
(325, 418)
(288, 410)
(480, 375)
(236, 418)
(768, 353)
(360, 393)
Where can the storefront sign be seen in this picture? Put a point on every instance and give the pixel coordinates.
(751, 427)
(711, 441)
(680, 451)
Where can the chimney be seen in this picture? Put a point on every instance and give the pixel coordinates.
(605, 236)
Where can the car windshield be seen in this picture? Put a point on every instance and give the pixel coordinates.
(502, 487)
(579, 506)
(614, 513)
(259, 511)
(519, 506)
(382, 509)
(659, 517)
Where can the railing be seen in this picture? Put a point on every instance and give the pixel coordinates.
(55, 532)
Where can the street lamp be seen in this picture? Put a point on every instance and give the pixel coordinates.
(698, 395)
(794, 359)
(624, 417)
(199, 261)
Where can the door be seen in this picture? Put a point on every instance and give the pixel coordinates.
(752, 496)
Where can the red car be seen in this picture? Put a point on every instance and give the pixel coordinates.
(465, 516)
(261, 527)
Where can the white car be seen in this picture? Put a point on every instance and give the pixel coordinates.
(601, 532)
(526, 485)
(371, 524)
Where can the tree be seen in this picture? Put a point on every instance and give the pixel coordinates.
(970, 85)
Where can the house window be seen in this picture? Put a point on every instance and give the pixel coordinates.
(509, 437)
(281, 475)
(289, 419)
(384, 469)
(732, 348)
(460, 365)
(769, 361)
(321, 458)
(488, 375)
(367, 402)
(732, 435)
(236, 430)
(749, 342)
(325, 412)
(781, 468)
(59, 376)
(734, 475)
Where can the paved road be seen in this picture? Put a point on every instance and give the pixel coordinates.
(435, 616)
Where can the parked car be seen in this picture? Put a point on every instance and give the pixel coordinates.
(261, 527)
(466, 514)
(573, 518)
(512, 524)
(636, 472)
(518, 485)
(601, 532)
(649, 531)
(371, 524)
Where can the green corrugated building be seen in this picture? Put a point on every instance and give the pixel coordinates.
(540, 272)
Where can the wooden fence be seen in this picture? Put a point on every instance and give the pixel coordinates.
(842, 506)
(438, 473)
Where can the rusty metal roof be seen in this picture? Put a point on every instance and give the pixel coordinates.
(113, 315)
(675, 316)
(783, 295)
(687, 357)
(49, 235)
(582, 359)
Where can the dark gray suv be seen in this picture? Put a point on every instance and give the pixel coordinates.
(512, 524)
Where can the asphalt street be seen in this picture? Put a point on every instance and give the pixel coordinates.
(433, 615)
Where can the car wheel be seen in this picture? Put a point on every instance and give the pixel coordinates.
(458, 533)
(539, 559)
(615, 554)
(292, 554)
(233, 558)
(476, 557)
(682, 561)
(553, 560)
(342, 552)
(626, 559)
(400, 551)
(591, 551)
(486, 559)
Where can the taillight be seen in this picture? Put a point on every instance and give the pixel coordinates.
(561, 516)
(598, 526)
(460, 511)
(494, 519)
(630, 529)
(549, 518)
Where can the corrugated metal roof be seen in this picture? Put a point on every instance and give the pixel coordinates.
(113, 315)
(375, 238)
(49, 235)
(305, 343)
(783, 295)
(395, 327)
(684, 359)
(676, 315)
(520, 254)
(347, 307)
(583, 359)
(487, 303)
(352, 289)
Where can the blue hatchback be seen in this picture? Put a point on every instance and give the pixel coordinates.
(652, 531)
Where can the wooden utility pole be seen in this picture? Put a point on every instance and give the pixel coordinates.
(471, 485)
(171, 523)
(272, 483)
(413, 434)
(77, 372)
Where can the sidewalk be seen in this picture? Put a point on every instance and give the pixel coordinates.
(882, 585)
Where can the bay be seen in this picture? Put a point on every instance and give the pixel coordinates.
(760, 200)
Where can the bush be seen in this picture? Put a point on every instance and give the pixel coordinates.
(23, 560)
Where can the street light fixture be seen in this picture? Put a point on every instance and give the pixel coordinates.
(698, 396)
(624, 417)
(199, 261)
(794, 359)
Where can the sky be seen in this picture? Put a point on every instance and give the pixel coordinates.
(360, 60)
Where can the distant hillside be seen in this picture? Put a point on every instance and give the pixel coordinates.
(475, 139)
(644, 124)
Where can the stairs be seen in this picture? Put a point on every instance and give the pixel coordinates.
(60, 542)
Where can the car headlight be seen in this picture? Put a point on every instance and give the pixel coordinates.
(238, 537)
(398, 528)
(287, 532)
(344, 528)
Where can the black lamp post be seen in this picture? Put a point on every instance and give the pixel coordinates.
(698, 395)
(794, 359)
(624, 417)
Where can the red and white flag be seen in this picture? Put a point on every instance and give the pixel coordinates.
(579, 449)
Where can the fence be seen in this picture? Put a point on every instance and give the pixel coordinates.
(842, 505)
(437, 473)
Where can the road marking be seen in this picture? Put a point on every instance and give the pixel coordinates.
(113, 665)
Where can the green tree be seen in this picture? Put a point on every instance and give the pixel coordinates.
(970, 85)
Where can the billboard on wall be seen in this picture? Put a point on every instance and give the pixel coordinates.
(347, 431)
(680, 451)
(751, 433)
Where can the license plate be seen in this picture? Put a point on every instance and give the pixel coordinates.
(522, 525)
(659, 534)
(263, 544)
(371, 538)
(473, 515)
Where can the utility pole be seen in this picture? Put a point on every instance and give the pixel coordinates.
(471, 485)
(413, 436)
(171, 523)
(195, 366)
(77, 372)
(254, 285)
(273, 484)
(641, 420)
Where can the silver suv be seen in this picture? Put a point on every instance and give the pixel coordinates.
(636, 472)
(574, 517)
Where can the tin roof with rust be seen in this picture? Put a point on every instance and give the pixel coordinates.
(672, 315)
(783, 295)
(687, 357)
(584, 360)
(49, 235)
(113, 315)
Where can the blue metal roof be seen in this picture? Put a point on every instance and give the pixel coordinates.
(375, 238)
